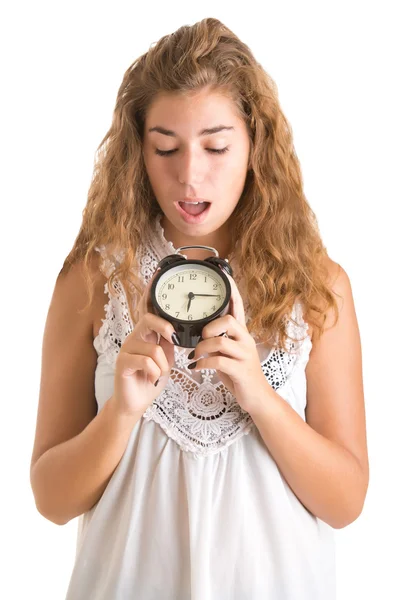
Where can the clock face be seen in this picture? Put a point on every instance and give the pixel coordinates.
(174, 289)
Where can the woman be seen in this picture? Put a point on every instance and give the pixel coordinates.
(219, 472)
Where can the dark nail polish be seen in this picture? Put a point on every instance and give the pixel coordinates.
(156, 383)
(191, 354)
(192, 365)
(176, 339)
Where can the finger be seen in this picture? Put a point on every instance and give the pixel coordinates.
(227, 324)
(138, 347)
(128, 364)
(169, 351)
(224, 364)
(218, 346)
(150, 327)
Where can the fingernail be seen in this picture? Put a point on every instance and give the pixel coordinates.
(192, 365)
(175, 339)
(156, 383)
(223, 333)
(191, 354)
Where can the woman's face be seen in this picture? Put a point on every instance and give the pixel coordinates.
(192, 169)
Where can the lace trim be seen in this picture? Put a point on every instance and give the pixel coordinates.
(202, 416)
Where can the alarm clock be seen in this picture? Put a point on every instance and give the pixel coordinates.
(189, 293)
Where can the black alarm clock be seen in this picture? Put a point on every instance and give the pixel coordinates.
(189, 293)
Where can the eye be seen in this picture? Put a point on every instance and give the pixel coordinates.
(212, 150)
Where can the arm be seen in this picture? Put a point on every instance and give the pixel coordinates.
(76, 450)
(324, 460)
(70, 478)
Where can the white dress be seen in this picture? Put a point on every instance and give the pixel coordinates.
(197, 508)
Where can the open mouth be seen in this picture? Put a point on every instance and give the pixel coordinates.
(193, 213)
(192, 208)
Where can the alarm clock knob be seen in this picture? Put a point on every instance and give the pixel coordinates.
(170, 260)
(220, 262)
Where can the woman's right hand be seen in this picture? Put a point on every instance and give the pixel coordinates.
(142, 360)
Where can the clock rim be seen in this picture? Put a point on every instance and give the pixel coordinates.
(187, 262)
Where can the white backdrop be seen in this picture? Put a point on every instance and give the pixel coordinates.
(338, 81)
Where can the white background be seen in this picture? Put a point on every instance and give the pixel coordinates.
(337, 76)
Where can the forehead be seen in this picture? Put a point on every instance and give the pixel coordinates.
(189, 113)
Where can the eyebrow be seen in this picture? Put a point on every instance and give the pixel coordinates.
(209, 131)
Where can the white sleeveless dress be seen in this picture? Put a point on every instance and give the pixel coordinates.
(197, 508)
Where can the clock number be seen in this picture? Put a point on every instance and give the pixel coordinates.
(218, 297)
(215, 286)
(177, 314)
(193, 276)
(213, 308)
(181, 278)
(171, 286)
(204, 314)
(164, 296)
(167, 306)
(190, 317)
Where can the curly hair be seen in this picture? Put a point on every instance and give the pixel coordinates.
(279, 250)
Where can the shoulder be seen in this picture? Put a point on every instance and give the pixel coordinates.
(73, 280)
(72, 291)
(338, 282)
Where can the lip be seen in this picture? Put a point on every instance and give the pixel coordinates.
(193, 219)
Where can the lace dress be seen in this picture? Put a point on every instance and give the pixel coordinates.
(197, 508)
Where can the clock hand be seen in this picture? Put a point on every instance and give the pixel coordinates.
(190, 296)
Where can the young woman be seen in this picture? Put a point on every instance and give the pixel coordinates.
(217, 473)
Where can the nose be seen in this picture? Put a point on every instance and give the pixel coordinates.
(191, 168)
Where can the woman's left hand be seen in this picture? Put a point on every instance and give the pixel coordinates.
(235, 358)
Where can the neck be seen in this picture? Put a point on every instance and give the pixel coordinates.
(217, 239)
